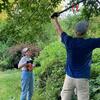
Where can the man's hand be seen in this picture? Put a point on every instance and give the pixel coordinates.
(56, 14)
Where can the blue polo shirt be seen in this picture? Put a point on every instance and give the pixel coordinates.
(79, 55)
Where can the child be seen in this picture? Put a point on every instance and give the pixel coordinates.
(79, 56)
(27, 76)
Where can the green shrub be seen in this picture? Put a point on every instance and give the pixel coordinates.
(96, 56)
(52, 59)
(3, 50)
(95, 68)
(95, 88)
(3, 56)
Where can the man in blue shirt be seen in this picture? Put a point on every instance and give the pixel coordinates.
(79, 56)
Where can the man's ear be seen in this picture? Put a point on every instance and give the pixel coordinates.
(78, 34)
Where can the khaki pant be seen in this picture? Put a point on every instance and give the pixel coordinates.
(81, 86)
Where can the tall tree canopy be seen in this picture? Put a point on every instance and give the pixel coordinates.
(91, 7)
(26, 18)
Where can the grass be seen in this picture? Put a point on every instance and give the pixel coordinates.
(10, 85)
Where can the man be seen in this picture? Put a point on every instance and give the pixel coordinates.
(79, 55)
(27, 75)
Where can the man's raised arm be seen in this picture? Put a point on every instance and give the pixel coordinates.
(56, 23)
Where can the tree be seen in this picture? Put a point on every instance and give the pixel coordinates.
(26, 19)
(90, 7)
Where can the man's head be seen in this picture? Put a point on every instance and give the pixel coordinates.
(26, 52)
(81, 28)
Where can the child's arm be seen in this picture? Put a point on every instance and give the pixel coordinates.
(22, 65)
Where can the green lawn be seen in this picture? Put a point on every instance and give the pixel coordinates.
(10, 85)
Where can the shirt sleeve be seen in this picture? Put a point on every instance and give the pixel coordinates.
(64, 37)
(95, 43)
(22, 61)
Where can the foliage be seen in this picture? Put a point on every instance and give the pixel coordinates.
(26, 18)
(96, 56)
(51, 71)
(8, 33)
(95, 63)
(3, 48)
(90, 8)
(95, 88)
(3, 56)
(3, 5)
